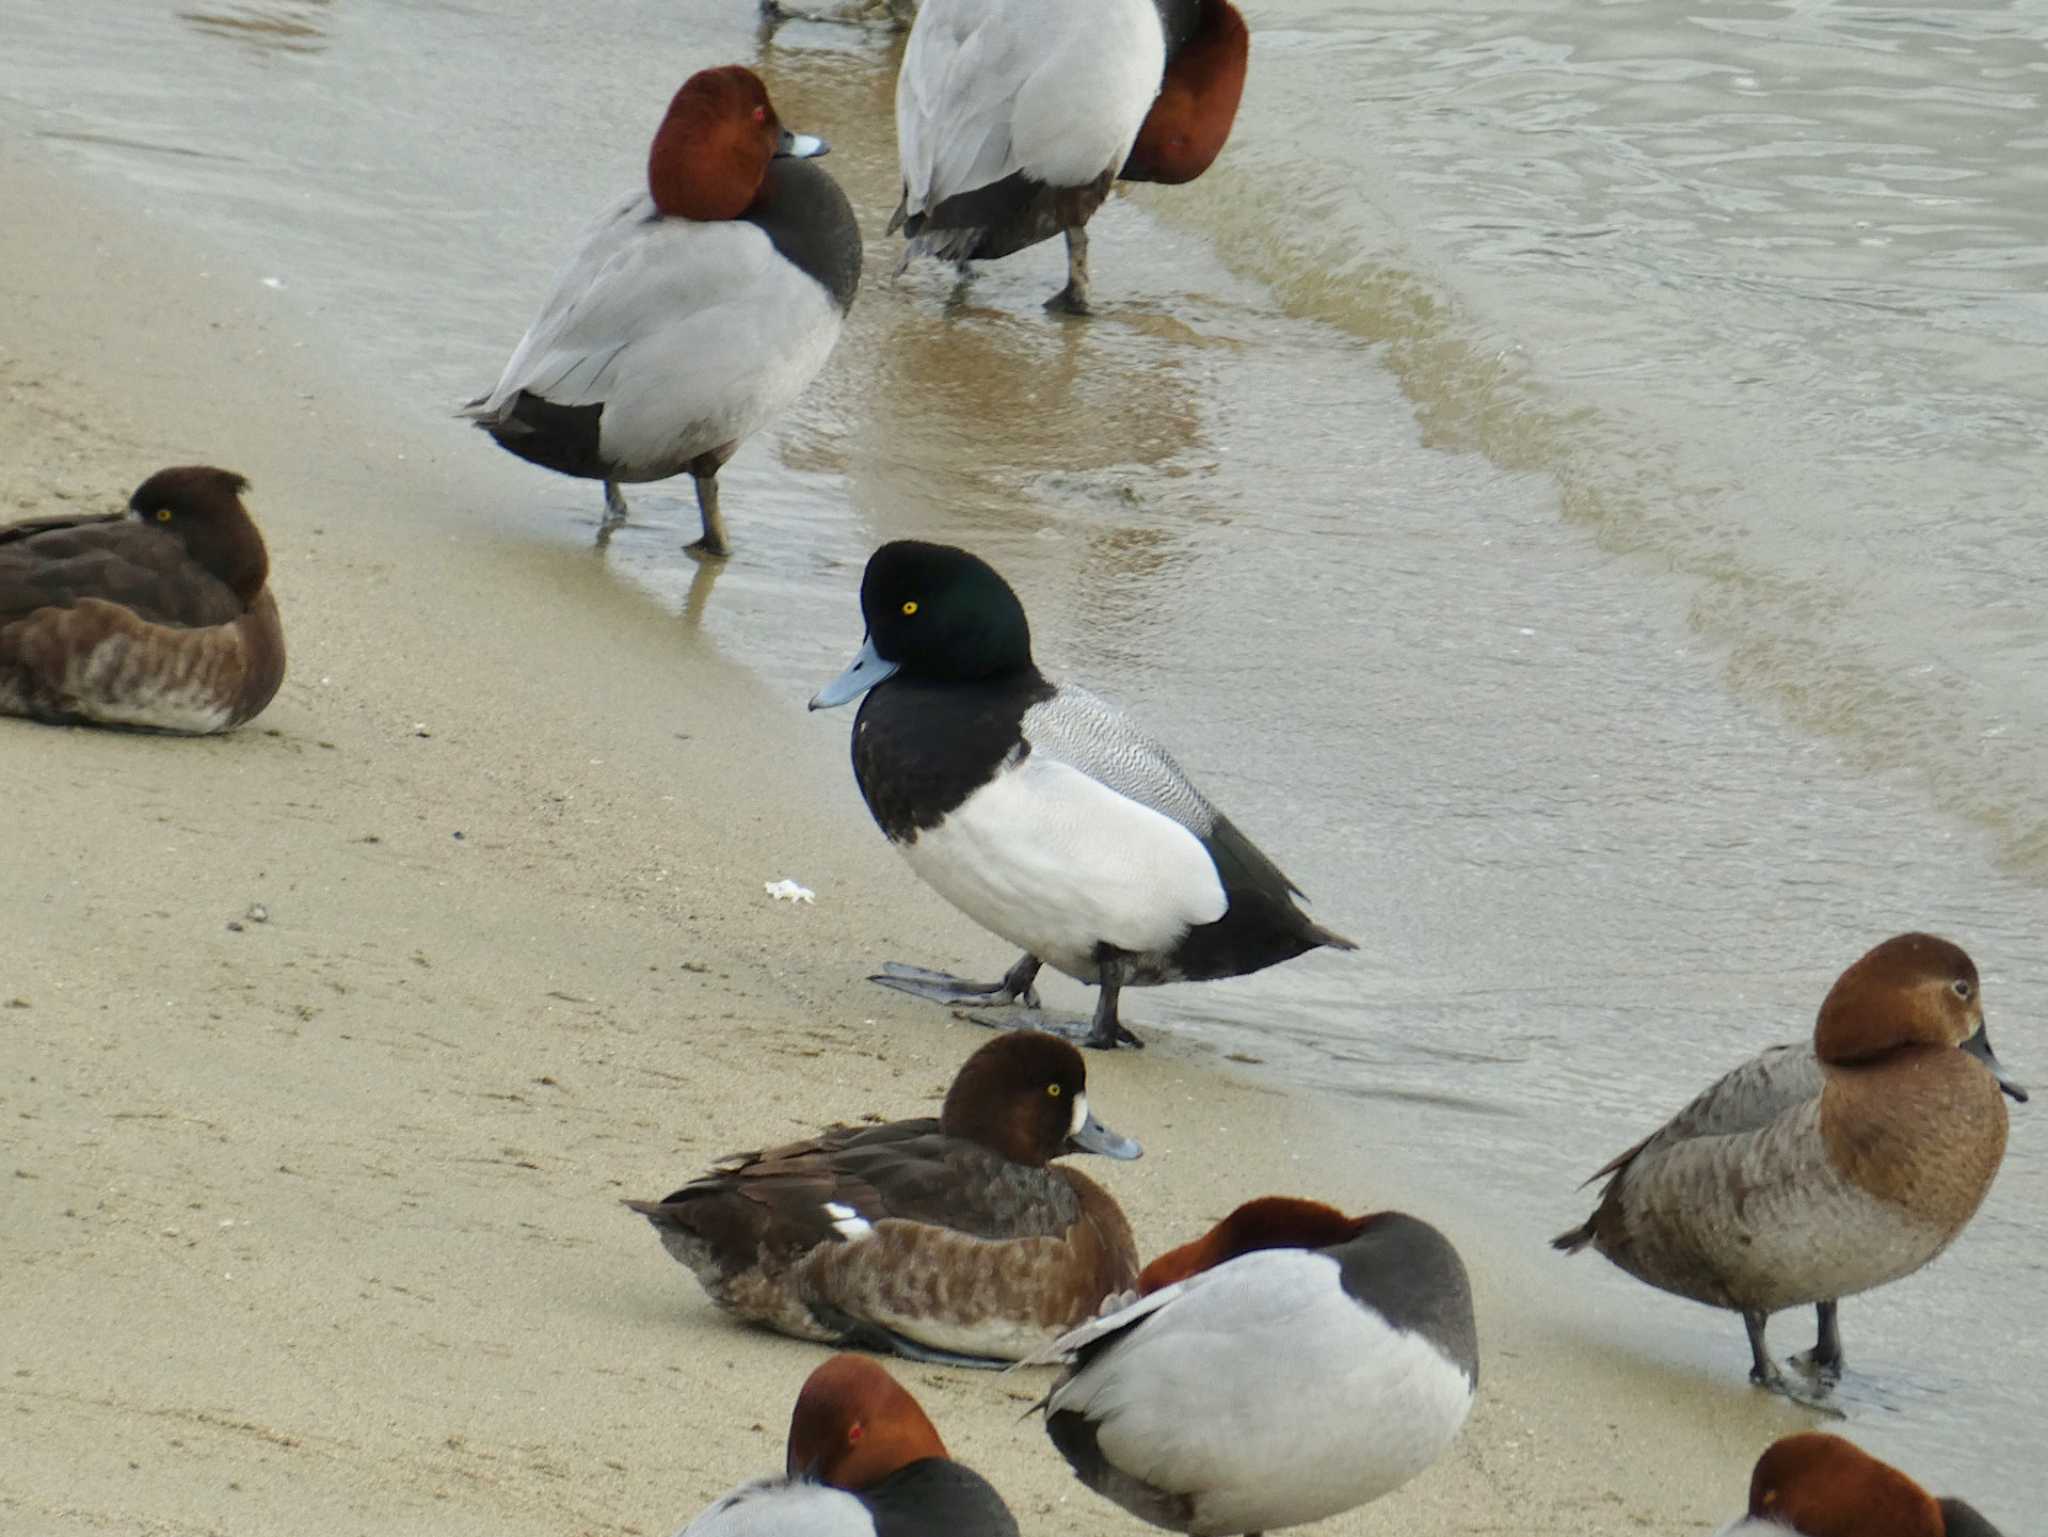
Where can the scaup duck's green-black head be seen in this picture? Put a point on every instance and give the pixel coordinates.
(202, 507)
(1914, 990)
(855, 1425)
(935, 613)
(1025, 1094)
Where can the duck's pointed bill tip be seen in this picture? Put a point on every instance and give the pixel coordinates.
(866, 670)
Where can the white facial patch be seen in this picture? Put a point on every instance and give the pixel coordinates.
(1080, 1115)
(848, 1223)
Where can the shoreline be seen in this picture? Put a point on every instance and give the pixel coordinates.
(317, 1220)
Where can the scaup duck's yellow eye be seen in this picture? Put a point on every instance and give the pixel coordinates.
(163, 514)
(910, 608)
(1053, 1089)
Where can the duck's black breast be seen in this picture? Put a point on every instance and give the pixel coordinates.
(937, 1498)
(920, 748)
(804, 213)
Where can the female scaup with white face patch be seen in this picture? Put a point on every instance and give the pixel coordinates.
(160, 617)
(1037, 809)
(948, 1239)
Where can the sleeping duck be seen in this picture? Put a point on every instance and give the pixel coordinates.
(158, 617)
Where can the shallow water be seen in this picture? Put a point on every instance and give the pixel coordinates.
(1566, 482)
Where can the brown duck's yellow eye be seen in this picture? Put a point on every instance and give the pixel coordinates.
(910, 608)
(1053, 1089)
(163, 514)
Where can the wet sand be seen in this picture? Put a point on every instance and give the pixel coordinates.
(313, 1221)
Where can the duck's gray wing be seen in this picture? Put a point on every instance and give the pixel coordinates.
(1089, 733)
(1747, 1099)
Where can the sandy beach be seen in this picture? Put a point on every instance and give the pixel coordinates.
(334, 1043)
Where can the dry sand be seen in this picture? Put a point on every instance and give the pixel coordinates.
(313, 1223)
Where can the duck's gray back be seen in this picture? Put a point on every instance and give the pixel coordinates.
(1088, 733)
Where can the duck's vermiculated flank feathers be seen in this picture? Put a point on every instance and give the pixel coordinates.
(162, 618)
(807, 218)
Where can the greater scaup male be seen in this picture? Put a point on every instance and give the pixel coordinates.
(863, 1461)
(1037, 809)
(693, 313)
(947, 1239)
(1291, 1364)
(1813, 1172)
(159, 617)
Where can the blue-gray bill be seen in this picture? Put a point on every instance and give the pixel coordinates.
(862, 673)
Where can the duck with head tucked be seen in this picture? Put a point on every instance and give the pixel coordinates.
(863, 1461)
(1818, 1485)
(693, 313)
(159, 617)
(1813, 1172)
(1038, 810)
(1290, 1364)
(948, 1239)
(1012, 121)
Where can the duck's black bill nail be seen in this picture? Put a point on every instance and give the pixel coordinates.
(800, 146)
(1094, 1137)
(862, 673)
(1979, 1046)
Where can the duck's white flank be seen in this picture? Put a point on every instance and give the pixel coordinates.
(1748, 1526)
(1268, 1393)
(1054, 862)
(1056, 89)
(776, 1507)
(691, 335)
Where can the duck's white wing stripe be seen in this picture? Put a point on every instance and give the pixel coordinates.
(1081, 729)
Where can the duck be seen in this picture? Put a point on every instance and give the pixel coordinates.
(1039, 810)
(159, 617)
(1291, 1364)
(1813, 1172)
(949, 1240)
(864, 1461)
(692, 313)
(1012, 123)
(1820, 1485)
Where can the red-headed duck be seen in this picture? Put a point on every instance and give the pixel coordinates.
(693, 313)
(864, 1461)
(1011, 122)
(1040, 810)
(1819, 1485)
(1813, 1172)
(158, 617)
(1291, 1364)
(949, 1240)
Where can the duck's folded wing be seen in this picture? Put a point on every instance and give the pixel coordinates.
(954, 95)
(1747, 1099)
(58, 562)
